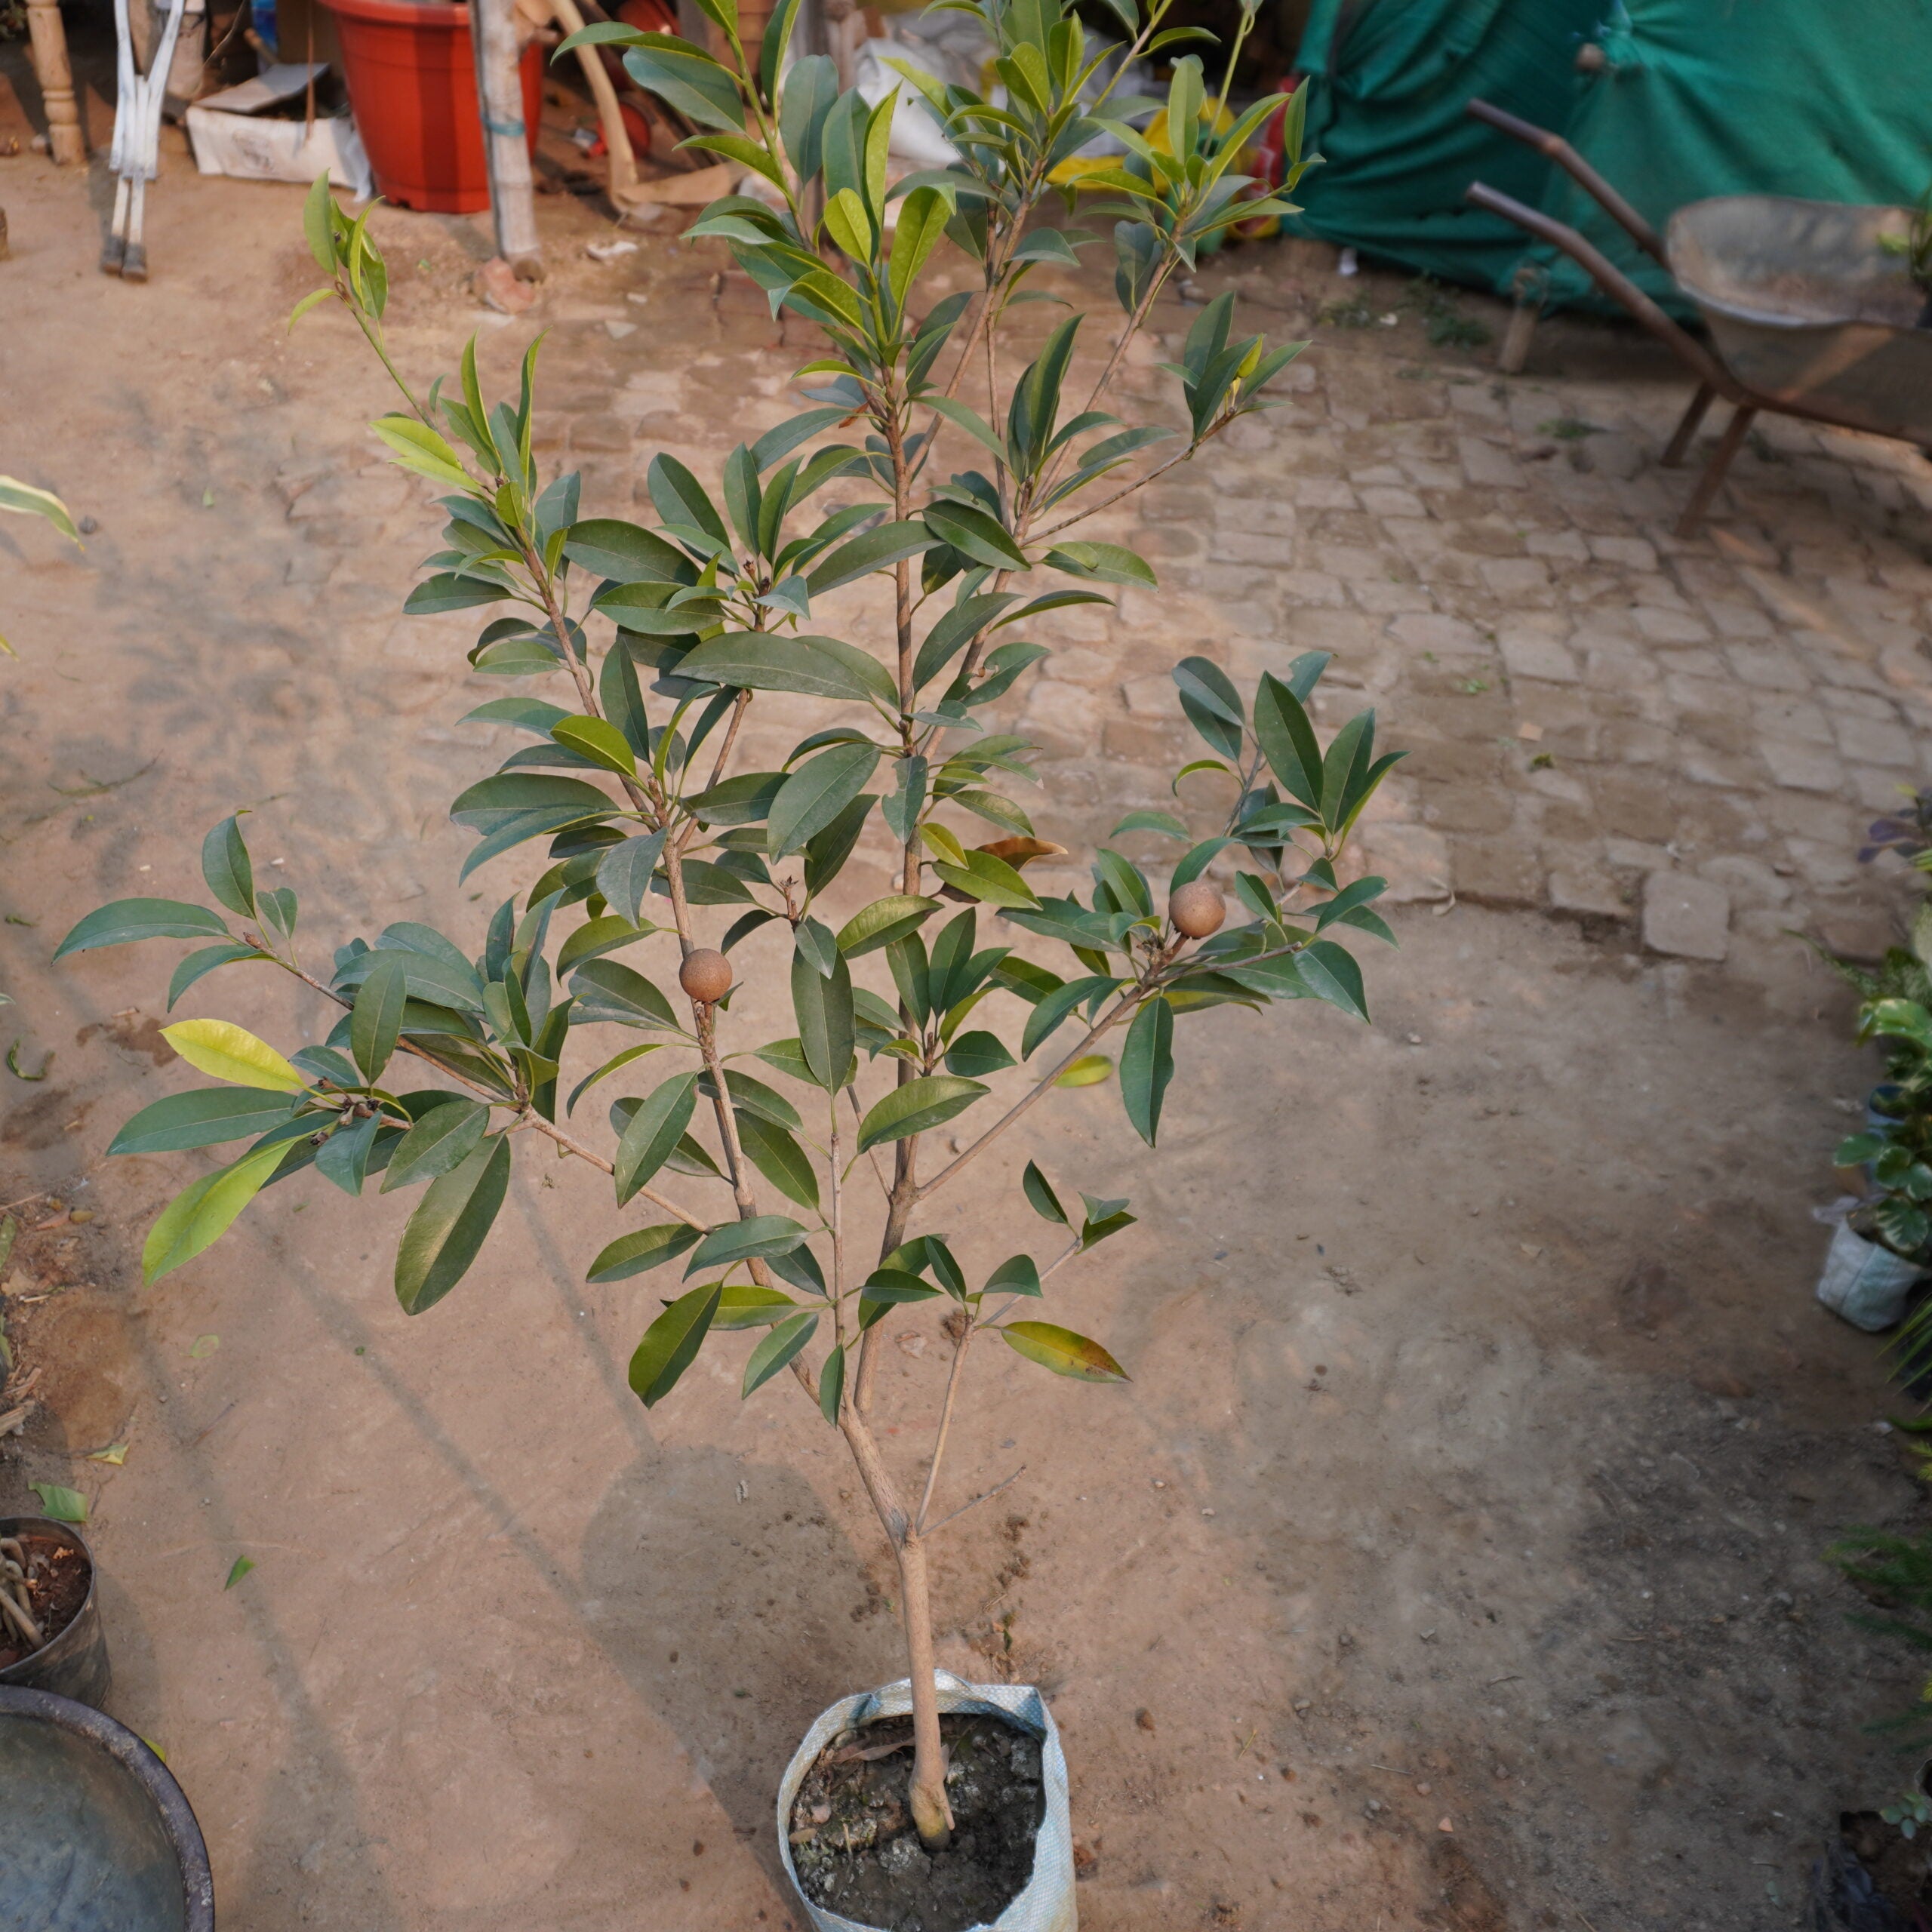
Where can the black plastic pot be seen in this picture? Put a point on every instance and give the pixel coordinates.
(74, 1664)
(95, 1834)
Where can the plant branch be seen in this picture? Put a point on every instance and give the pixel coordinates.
(985, 1496)
(953, 1381)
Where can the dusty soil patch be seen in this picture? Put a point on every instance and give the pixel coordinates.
(856, 1852)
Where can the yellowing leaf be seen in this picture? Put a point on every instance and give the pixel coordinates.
(1088, 1071)
(203, 1345)
(115, 1452)
(228, 1052)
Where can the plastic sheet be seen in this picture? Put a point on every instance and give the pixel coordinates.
(1046, 1905)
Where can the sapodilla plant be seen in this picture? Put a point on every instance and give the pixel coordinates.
(663, 856)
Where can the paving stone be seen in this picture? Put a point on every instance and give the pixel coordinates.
(1414, 859)
(1769, 666)
(1388, 500)
(1498, 871)
(1686, 916)
(1446, 636)
(1749, 882)
(1530, 655)
(1587, 889)
(1488, 466)
(1662, 626)
(1631, 553)
(1874, 741)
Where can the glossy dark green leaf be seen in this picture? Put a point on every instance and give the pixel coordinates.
(778, 1157)
(204, 1118)
(376, 1020)
(927, 1102)
(1146, 1065)
(226, 866)
(204, 962)
(607, 989)
(439, 1141)
(447, 1231)
(671, 1344)
(774, 1355)
(1039, 1192)
(643, 1249)
(343, 1158)
(816, 794)
(1212, 704)
(877, 550)
(831, 1385)
(977, 1053)
(1018, 1274)
(1287, 740)
(812, 666)
(653, 1131)
(823, 1007)
(126, 920)
(755, 1239)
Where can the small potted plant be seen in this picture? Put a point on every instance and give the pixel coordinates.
(749, 1172)
(1880, 1249)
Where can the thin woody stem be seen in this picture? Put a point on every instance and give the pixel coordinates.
(952, 1382)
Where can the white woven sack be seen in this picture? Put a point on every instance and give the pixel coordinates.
(1046, 1904)
(1866, 1285)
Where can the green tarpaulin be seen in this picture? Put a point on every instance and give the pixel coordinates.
(1692, 98)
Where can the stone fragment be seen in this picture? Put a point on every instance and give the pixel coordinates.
(1413, 858)
(1687, 917)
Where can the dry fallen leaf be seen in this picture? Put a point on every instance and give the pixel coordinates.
(115, 1452)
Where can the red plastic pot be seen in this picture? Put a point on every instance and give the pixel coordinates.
(412, 84)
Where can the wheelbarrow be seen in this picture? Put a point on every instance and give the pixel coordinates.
(1808, 315)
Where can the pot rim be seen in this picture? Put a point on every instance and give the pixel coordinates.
(177, 1817)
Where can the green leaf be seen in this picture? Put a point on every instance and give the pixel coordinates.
(342, 1159)
(62, 1504)
(1331, 974)
(202, 1212)
(446, 1230)
(242, 1565)
(643, 1249)
(813, 666)
(687, 79)
(831, 1385)
(598, 739)
(419, 448)
(1211, 703)
(1146, 1065)
(226, 866)
(607, 989)
(774, 1353)
(1147, 821)
(376, 1020)
(196, 964)
(203, 1118)
(884, 921)
(772, 1150)
(823, 1005)
(1287, 740)
(1101, 563)
(975, 534)
(653, 1131)
(988, 878)
(1061, 1350)
(1018, 1274)
(816, 794)
(1039, 1192)
(671, 1344)
(926, 1102)
(126, 920)
(977, 1052)
(745, 1304)
(758, 1238)
(442, 1139)
(624, 874)
(225, 1051)
(877, 550)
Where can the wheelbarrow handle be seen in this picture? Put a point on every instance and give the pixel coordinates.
(1579, 170)
(1613, 282)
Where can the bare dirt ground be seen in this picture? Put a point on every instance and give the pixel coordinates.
(1458, 1535)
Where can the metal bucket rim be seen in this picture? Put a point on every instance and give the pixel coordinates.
(135, 1755)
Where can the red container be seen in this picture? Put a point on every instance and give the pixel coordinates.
(412, 84)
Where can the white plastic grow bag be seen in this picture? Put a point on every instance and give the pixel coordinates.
(1046, 1903)
(1865, 1284)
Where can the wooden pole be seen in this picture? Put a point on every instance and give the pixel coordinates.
(505, 145)
(56, 77)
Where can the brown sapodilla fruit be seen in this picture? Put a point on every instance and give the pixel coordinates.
(705, 975)
(1196, 909)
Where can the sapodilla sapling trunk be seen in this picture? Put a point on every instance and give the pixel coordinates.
(932, 1813)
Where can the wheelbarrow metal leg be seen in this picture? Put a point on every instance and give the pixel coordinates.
(1742, 418)
(1693, 415)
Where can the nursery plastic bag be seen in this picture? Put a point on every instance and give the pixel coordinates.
(1865, 1284)
(1046, 1904)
